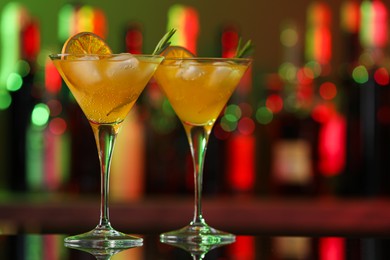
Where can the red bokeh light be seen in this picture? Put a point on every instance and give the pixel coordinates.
(274, 102)
(328, 90)
(246, 126)
(381, 76)
(57, 126)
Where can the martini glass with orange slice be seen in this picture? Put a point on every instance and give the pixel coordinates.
(198, 89)
(106, 86)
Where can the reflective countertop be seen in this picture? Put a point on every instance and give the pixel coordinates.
(273, 247)
(324, 229)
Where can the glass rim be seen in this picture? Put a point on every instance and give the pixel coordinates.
(60, 55)
(216, 59)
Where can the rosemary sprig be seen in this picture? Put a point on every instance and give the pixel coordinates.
(164, 42)
(244, 51)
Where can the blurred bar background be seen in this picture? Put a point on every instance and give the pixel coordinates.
(307, 130)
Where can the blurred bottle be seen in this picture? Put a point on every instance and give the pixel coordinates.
(290, 98)
(22, 85)
(366, 80)
(293, 153)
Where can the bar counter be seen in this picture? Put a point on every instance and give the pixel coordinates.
(34, 227)
(242, 215)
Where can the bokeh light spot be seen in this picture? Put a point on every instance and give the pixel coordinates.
(264, 115)
(360, 74)
(5, 100)
(228, 123)
(14, 82)
(57, 126)
(289, 37)
(274, 102)
(55, 107)
(328, 90)
(40, 114)
(23, 68)
(381, 76)
(233, 111)
(246, 126)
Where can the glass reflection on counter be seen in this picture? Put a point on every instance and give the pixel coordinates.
(292, 247)
(243, 248)
(33, 247)
(107, 253)
(51, 247)
(197, 250)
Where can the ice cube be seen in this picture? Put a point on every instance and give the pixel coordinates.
(85, 70)
(121, 62)
(190, 70)
(222, 69)
(221, 72)
(120, 56)
(129, 61)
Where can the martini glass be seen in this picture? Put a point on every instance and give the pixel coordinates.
(106, 88)
(198, 89)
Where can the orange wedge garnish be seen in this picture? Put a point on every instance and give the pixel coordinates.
(86, 43)
(177, 52)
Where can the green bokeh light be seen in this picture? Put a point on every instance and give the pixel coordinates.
(315, 68)
(10, 39)
(23, 68)
(40, 114)
(65, 16)
(264, 115)
(5, 100)
(14, 82)
(367, 13)
(228, 123)
(360, 74)
(287, 71)
(233, 112)
(230, 118)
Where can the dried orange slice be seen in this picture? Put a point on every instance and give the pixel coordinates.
(86, 43)
(177, 52)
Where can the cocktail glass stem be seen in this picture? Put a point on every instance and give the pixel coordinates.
(198, 231)
(198, 137)
(105, 136)
(103, 235)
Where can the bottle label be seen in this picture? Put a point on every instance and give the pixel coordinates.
(292, 162)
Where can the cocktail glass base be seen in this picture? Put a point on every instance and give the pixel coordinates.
(198, 234)
(103, 238)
